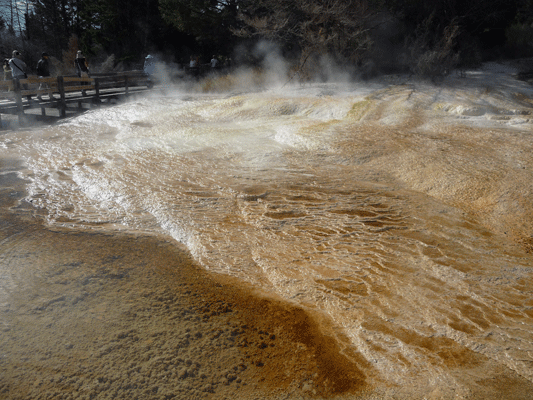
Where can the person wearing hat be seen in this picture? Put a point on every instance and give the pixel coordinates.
(18, 68)
(43, 66)
(43, 71)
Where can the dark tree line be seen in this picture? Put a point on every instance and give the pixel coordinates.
(415, 34)
(125, 28)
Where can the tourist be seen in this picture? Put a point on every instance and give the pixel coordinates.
(43, 71)
(82, 68)
(8, 76)
(214, 62)
(149, 65)
(18, 69)
(193, 63)
(7, 70)
(194, 66)
(43, 66)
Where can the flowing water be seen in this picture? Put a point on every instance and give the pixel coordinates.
(402, 211)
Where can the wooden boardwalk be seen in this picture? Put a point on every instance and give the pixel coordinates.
(62, 96)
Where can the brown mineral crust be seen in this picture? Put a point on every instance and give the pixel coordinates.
(113, 315)
(288, 345)
(284, 345)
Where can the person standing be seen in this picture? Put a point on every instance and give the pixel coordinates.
(43, 71)
(18, 69)
(43, 66)
(82, 68)
(149, 65)
(8, 76)
(194, 66)
(7, 70)
(214, 62)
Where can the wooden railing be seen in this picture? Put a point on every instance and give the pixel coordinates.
(70, 89)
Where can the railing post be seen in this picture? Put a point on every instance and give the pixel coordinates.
(62, 100)
(126, 82)
(97, 89)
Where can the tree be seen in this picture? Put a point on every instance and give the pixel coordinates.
(121, 27)
(520, 33)
(306, 30)
(312, 28)
(483, 22)
(12, 14)
(208, 21)
(51, 23)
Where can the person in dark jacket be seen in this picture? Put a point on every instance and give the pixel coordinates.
(82, 68)
(43, 71)
(43, 66)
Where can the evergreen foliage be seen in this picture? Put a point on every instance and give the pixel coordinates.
(427, 36)
(207, 21)
(335, 29)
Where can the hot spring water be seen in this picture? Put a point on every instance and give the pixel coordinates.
(401, 212)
